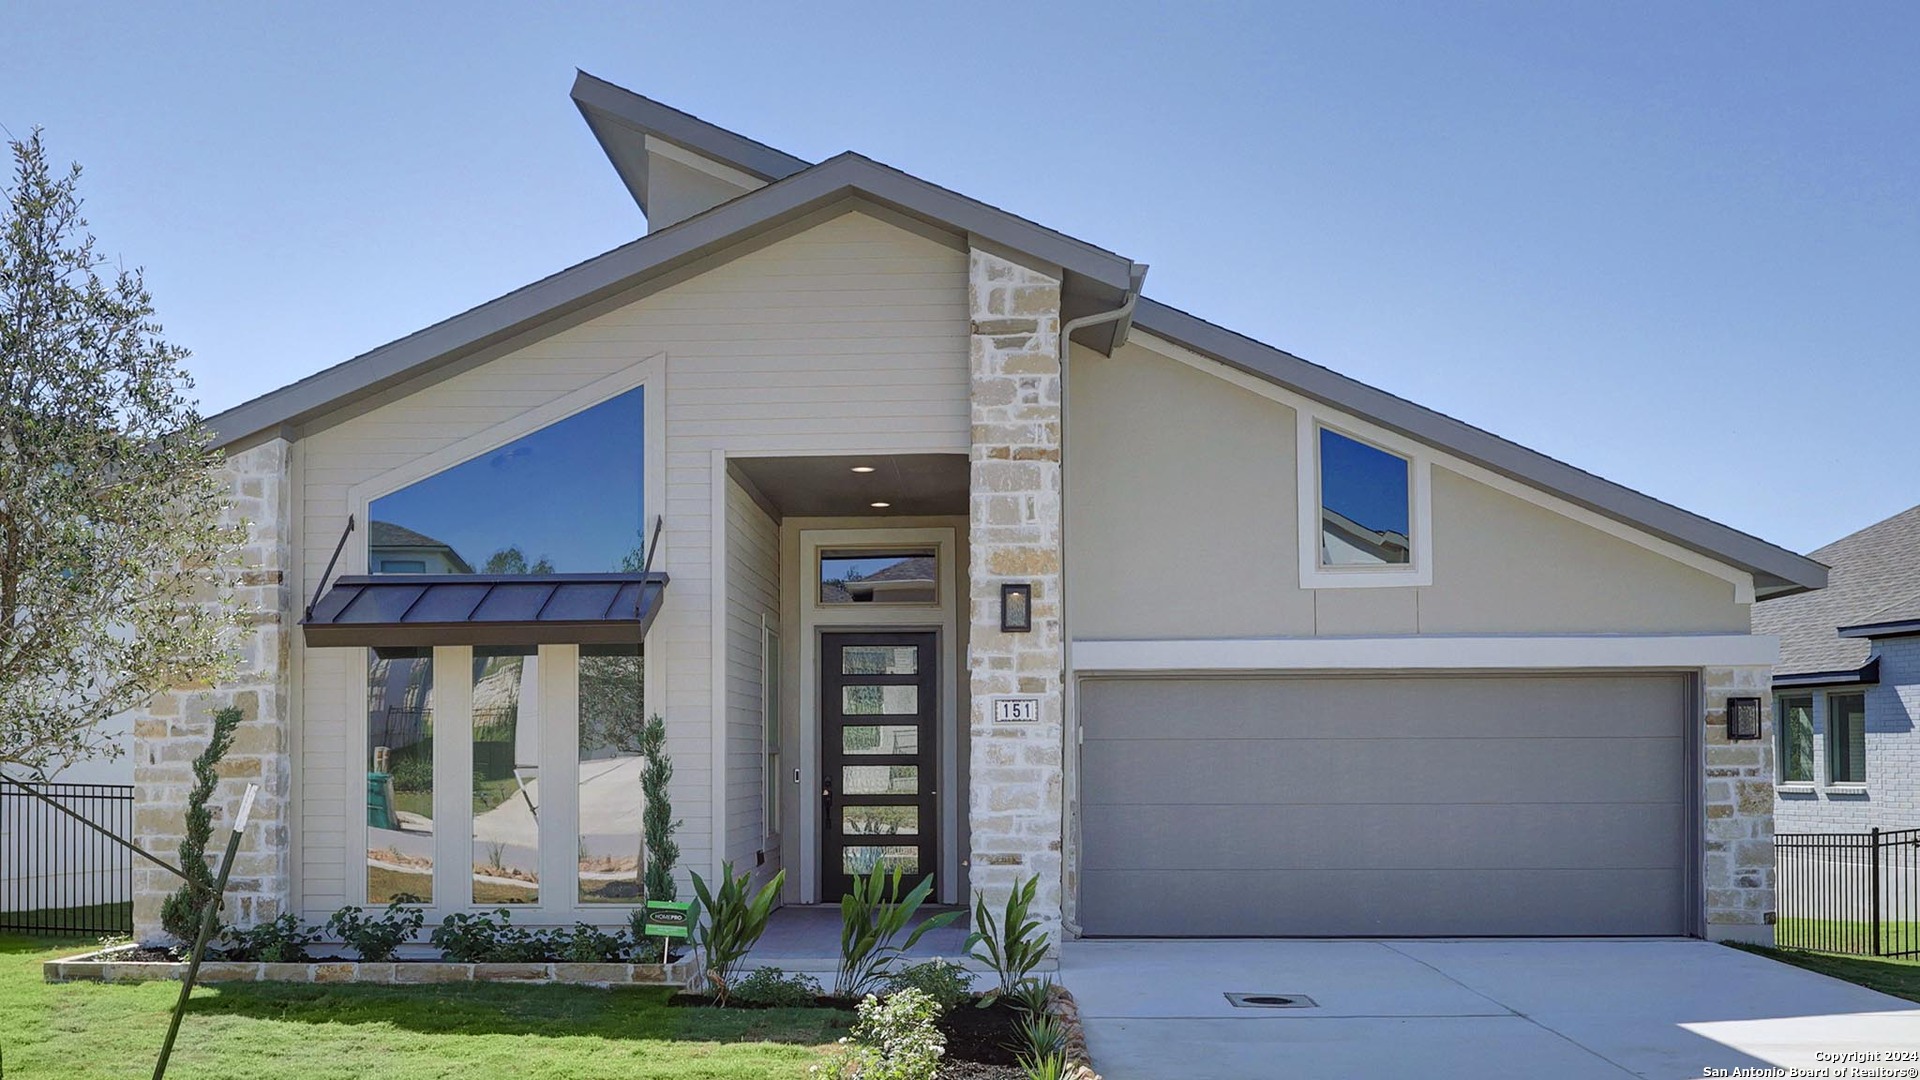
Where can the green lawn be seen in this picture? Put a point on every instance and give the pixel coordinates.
(393, 1033)
(1823, 934)
(105, 916)
(1899, 977)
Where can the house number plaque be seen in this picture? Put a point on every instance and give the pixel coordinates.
(1016, 710)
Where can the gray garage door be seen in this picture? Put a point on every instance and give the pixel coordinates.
(1384, 806)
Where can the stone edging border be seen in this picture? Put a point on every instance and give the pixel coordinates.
(100, 966)
(1079, 1062)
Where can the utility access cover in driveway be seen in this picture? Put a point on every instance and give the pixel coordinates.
(1566, 1009)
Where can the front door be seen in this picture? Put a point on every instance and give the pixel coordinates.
(878, 710)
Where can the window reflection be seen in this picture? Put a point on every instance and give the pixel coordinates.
(873, 577)
(506, 786)
(1796, 739)
(564, 499)
(612, 713)
(1364, 504)
(400, 775)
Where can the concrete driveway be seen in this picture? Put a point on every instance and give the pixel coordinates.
(1568, 1009)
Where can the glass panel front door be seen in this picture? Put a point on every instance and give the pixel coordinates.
(878, 802)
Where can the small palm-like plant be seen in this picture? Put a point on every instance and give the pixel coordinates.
(1011, 945)
(872, 917)
(733, 924)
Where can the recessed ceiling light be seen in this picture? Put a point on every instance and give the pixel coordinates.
(879, 505)
(863, 468)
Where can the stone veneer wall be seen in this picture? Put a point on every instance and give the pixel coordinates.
(1014, 529)
(1739, 876)
(172, 730)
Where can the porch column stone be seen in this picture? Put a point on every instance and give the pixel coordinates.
(1738, 804)
(172, 729)
(1014, 529)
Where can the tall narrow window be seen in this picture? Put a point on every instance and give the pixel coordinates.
(1847, 739)
(1365, 504)
(565, 499)
(1794, 723)
(400, 776)
(612, 716)
(506, 761)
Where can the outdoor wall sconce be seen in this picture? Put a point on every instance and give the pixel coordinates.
(1743, 718)
(1016, 608)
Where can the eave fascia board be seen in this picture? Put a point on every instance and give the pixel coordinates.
(1776, 570)
(848, 176)
(1867, 674)
(1890, 628)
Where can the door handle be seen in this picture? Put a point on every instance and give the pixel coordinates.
(826, 790)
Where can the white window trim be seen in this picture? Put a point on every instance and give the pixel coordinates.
(1313, 575)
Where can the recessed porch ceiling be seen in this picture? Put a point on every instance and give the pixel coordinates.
(915, 485)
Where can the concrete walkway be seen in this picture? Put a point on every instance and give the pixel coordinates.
(1156, 1010)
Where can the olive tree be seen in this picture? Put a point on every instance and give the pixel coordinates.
(114, 549)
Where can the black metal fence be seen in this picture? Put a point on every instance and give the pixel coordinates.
(1849, 892)
(57, 875)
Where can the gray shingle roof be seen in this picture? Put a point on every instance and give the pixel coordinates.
(1875, 577)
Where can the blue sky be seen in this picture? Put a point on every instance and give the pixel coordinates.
(1674, 244)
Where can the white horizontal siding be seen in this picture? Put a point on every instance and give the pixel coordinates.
(851, 336)
(753, 592)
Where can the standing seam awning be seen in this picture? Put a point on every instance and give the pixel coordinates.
(423, 610)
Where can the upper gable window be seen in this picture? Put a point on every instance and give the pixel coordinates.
(1365, 518)
(1366, 505)
(567, 498)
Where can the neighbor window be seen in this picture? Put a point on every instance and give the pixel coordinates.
(1793, 721)
(1365, 504)
(564, 499)
(1847, 739)
(879, 577)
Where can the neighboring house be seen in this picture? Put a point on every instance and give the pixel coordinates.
(1846, 692)
(1304, 658)
(396, 549)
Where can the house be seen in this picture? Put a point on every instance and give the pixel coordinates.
(1847, 689)
(1207, 638)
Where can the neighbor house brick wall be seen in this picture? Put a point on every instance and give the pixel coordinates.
(1738, 876)
(172, 730)
(1891, 797)
(1014, 530)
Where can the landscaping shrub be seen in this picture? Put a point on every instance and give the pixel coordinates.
(280, 941)
(774, 988)
(590, 945)
(1031, 996)
(1011, 945)
(375, 938)
(489, 938)
(872, 917)
(894, 1039)
(181, 913)
(732, 924)
(949, 985)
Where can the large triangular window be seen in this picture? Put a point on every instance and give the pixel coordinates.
(565, 499)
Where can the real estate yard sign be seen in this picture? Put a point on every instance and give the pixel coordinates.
(669, 919)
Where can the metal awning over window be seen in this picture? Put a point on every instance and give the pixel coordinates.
(420, 610)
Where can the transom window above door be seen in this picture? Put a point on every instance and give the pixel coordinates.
(908, 576)
(567, 498)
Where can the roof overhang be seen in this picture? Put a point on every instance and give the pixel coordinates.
(1891, 628)
(1867, 674)
(424, 610)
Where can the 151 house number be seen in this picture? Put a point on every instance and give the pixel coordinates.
(1016, 710)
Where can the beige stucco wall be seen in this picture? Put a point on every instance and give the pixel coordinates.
(850, 336)
(1181, 523)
